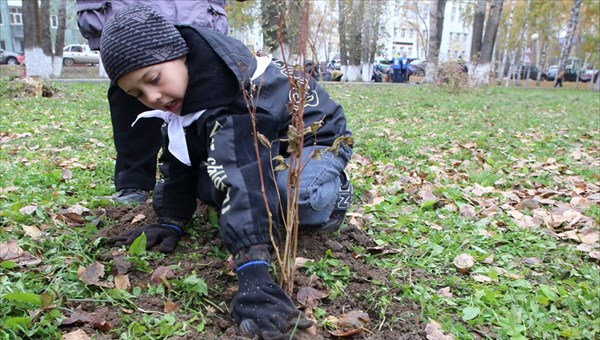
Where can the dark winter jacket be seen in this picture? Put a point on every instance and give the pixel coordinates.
(225, 171)
(92, 14)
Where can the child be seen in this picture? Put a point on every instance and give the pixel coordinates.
(194, 79)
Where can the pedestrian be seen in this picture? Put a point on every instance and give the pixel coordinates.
(137, 147)
(404, 62)
(559, 78)
(396, 68)
(199, 82)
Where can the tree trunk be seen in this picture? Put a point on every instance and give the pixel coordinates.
(524, 40)
(478, 21)
(566, 49)
(342, 32)
(436, 24)
(507, 43)
(36, 29)
(489, 40)
(59, 43)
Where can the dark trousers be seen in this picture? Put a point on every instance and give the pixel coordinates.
(137, 147)
(396, 75)
(403, 76)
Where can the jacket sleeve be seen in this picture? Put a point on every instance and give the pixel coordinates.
(235, 170)
(91, 17)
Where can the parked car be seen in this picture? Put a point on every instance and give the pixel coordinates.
(533, 72)
(10, 58)
(80, 54)
(551, 73)
(418, 67)
(571, 75)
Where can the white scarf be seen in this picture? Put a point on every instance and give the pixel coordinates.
(176, 124)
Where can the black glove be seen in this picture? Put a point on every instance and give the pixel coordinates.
(164, 236)
(261, 307)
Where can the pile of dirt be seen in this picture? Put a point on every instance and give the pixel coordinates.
(213, 268)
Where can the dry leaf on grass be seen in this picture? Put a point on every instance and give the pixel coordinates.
(80, 316)
(122, 282)
(76, 335)
(161, 274)
(32, 231)
(434, 332)
(170, 307)
(464, 262)
(91, 275)
(309, 296)
(12, 252)
(350, 323)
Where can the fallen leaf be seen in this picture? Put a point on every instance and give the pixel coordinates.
(468, 211)
(170, 307)
(66, 174)
(92, 274)
(32, 231)
(445, 292)
(464, 262)
(161, 274)
(532, 260)
(122, 282)
(481, 278)
(301, 262)
(12, 252)
(76, 335)
(309, 296)
(137, 218)
(433, 331)
(351, 323)
(28, 210)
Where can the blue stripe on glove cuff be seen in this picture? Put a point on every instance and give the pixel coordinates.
(252, 263)
(173, 226)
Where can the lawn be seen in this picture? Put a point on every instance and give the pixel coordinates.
(476, 215)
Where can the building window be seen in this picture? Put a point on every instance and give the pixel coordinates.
(53, 21)
(1, 19)
(410, 51)
(15, 15)
(3, 45)
(411, 33)
(465, 37)
(453, 16)
(403, 33)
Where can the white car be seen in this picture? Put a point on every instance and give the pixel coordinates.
(80, 54)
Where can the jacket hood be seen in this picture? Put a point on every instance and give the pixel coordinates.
(218, 67)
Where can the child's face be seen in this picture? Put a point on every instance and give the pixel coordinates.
(160, 86)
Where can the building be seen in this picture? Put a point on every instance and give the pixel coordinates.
(408, 27)
(11, 24)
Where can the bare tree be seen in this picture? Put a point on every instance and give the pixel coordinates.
(566, 48)
(478, 21)
(272, 12)
(436, 24)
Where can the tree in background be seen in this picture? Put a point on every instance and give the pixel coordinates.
(566, 48)
(436, 24)
(478, 22)
(483, 42)
(40, 61)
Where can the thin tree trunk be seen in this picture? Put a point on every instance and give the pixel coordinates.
(524, 39)
(566, 49)
(507, 43)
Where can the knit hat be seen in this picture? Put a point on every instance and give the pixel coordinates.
(138, 36)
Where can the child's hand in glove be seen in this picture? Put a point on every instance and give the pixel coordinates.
(261, 307)
(164, 236)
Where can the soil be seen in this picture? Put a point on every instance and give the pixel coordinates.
(401, 319)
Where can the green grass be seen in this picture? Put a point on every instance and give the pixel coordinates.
(522, 141)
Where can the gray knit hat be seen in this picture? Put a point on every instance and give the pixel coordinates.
(138, 36)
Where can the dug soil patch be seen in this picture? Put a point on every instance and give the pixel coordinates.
(202, 253)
